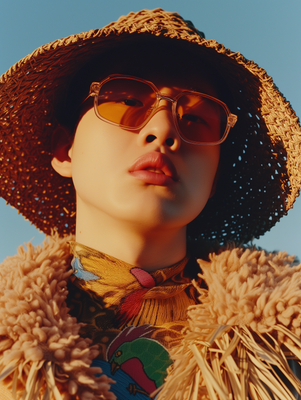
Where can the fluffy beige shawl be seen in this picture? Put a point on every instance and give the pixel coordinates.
(41, 352)
(248, 321)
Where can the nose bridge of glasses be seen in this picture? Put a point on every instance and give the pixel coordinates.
(164, 103)
(165, 128)
(162, 96)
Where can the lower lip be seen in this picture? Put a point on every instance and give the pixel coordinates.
(153, 178)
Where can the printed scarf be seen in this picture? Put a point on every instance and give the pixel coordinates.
(138, 297)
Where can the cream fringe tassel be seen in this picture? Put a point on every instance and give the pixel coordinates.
(240, 336)
(233, 363)
(42, 355)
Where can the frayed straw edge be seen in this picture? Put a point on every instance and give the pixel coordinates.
(249, 372)
(49, 376)
(34, 382)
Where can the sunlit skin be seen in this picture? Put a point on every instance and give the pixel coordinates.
(119, 212)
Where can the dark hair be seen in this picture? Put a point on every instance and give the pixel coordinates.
(133, 58)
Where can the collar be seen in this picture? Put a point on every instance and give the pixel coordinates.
(120, 284)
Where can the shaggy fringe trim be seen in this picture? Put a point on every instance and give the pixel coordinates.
(244, 331)
(41, 352)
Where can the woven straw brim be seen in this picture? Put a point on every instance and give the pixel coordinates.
(260, 162)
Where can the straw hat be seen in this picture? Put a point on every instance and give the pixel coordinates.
(261, 158)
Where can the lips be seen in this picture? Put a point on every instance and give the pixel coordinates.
(155, 168)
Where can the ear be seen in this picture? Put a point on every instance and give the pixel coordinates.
(62, 151)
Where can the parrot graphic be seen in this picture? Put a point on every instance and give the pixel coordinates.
(145, 360)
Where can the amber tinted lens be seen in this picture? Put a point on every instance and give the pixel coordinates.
(126, 102)
(201, 119)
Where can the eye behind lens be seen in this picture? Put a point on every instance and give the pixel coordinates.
(126, 101)
(201, 119)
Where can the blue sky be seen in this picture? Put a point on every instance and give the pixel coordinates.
(266, 31)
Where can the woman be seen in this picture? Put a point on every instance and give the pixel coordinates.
(158, 137)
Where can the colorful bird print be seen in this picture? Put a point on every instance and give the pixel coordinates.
(143, 359)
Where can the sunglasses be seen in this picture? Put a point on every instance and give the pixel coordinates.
(130, 102)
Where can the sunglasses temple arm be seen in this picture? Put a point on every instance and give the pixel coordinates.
(232, 120)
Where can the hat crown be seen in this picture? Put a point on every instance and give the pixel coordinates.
(156, 21)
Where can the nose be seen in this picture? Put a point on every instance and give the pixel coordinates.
(161, 130)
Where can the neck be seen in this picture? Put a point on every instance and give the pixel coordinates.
(149, 249)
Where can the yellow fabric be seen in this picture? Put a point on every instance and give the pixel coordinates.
(163, 303)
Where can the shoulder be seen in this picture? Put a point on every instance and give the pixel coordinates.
(37, 333)
(251, 311)
(248, 261)
(31, 271)
(53, 250)
(251, 286)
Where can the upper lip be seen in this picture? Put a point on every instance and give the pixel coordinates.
(156, 160)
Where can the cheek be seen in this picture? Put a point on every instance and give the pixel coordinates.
(204, 166)
(88, 156)
(97, 157)
(206, 160)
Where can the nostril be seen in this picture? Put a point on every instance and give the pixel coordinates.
(150, 138)
(169, 142)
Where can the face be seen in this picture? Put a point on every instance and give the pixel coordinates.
(149, 178)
